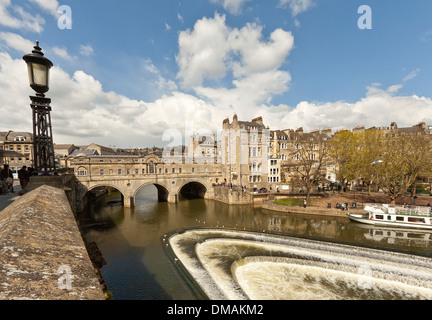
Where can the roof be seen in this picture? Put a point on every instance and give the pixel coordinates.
(62, 146)
(83, 153)
(251, 124)
(11, 135)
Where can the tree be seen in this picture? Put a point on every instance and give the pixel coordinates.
(309, 155)
(370, 148)
(404, 157)
(344, 150)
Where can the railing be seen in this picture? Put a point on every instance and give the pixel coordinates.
(403, 209)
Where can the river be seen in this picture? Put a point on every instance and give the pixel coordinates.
(137, 267)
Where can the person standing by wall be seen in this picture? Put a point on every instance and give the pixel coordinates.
(7, 177)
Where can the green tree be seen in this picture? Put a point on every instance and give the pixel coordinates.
(370, 148)
(344, 150)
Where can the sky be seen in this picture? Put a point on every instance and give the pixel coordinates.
(139, 73)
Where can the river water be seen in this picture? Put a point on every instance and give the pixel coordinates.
(132, 242)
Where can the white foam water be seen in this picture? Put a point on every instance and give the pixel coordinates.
(230, 264)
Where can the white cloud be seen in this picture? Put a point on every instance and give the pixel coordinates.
(86, 50)
(412, 75)
(50, 6)
(180, 17)
(16, 17)
(212, 48)
(83, 112)
(257, 55)
(63, 53)
(16, 42)
(297, 6)
(379, 108)
(232, 6)
(162, 84)
(202, 51)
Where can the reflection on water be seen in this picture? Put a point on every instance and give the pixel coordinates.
(138, 268)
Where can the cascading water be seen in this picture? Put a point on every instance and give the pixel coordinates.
(232, 264)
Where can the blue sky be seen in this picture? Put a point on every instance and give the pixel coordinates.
(129, 71)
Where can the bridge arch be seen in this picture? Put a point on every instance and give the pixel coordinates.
(85, 193)
(192, 190)
(163, 192)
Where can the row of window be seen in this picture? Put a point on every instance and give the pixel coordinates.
(273, 179)
(254, 178)
(400, 218)
(18, 147)
(273, 162)
(20, 159)
(298, 156)
(274, 170)
(254, 152)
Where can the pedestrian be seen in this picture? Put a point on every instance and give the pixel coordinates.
(304, 203)
(24, 177)
(6, 176)
(343, 206)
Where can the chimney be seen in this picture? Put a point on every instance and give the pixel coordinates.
(258, 120)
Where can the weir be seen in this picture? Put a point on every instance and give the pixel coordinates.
(232, 264)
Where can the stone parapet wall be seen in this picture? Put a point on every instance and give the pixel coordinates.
(232, 196)
(42, 253)
(269, 205)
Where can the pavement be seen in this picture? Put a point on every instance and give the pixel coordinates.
(7, 199)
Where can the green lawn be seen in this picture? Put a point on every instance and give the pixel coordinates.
(290, 202)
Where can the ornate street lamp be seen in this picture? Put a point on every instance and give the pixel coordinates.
(43, 148)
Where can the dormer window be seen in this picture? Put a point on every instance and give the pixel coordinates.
(20, 138)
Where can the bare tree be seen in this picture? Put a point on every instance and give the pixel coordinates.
(404, 158)
(309, 156)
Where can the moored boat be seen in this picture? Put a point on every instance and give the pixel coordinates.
(395, 216)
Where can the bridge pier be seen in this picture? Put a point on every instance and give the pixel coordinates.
(172, 198)
(128, 202)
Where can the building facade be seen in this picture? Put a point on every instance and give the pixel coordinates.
(22, 144)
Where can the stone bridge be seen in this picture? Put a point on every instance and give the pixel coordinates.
(128, 174)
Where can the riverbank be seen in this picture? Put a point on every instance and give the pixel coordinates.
(327, 206)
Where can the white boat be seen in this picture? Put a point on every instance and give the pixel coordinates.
(395, 216)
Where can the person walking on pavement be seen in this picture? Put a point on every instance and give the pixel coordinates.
(24, 177)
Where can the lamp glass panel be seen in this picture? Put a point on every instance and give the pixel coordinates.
(40, 74)
(30, 73)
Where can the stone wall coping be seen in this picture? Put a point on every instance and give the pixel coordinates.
(42, 252)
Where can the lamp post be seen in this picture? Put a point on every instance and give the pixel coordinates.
(43, 148)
